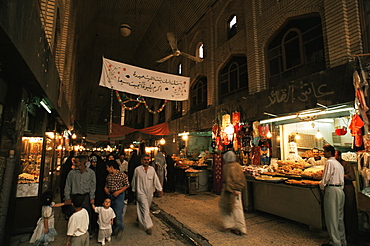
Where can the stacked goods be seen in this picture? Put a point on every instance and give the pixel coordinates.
(180, 164)
(299, 164)
(191, 170)
(26, 178)
(289, 170)
(314, 173)
(302, 182)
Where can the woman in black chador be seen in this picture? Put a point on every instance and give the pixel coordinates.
(169, 185)
(133, 163)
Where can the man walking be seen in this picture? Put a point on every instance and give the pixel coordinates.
(117, 183)
(144, 184)
(332, 184)
(81, 180)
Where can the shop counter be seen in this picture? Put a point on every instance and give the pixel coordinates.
(301, 204)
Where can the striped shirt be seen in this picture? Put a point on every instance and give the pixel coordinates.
(117, 181)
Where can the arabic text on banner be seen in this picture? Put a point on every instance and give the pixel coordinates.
(139, 81)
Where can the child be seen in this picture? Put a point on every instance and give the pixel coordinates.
(105, 221)
(78, 223)
(44, 232)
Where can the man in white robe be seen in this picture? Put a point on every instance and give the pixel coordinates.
(144, 183)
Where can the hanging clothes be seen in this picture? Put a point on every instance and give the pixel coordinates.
(356, 126)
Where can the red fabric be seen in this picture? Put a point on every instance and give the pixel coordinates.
(160, 129)
(355, 127)
(235, 117)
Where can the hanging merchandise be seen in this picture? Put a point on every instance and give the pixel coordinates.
(236, 117)
(361, 87)
(255, 155)
(256, 133)
(139, 100)
(225, 120)
(340, 131)
(264, 148)
(356, 129)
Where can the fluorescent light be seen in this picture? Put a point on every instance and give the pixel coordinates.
(274, 115)
(325, 112)
(288, 117)
(45, 106)
(308, 114)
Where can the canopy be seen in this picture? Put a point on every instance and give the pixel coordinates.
(160, 129)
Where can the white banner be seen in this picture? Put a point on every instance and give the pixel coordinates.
(139, 81)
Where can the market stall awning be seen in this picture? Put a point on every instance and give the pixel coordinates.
(160, 129)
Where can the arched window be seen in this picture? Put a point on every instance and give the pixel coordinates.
(292, 44)
(179, 69)
(232, 24)
(296, 51)
(199, 94)
(233, 76)
(201, 51)
(176, 109)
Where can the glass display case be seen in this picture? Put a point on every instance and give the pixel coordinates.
(31, 159)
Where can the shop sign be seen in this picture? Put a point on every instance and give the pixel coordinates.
(329, 87)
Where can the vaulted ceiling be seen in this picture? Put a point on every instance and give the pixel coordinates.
(97, 34)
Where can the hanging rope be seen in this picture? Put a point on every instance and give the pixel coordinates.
(139, 100)
(111, 111)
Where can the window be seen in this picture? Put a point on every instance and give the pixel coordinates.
(179, 69)
(198, 94)
(234, 76)
(201, 51)
(232, 24)
(296, 51)
(176, 110)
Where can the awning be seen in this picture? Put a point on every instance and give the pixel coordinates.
(160, 129)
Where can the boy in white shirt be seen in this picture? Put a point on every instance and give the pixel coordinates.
(105, 221)
(78, 223)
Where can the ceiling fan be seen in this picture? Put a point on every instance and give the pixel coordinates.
(175, 51)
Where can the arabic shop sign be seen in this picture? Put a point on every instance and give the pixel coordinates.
(303, 92)
(330, 87)
(139, 81)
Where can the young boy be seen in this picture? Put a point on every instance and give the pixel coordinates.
(105, 221)
(78, 223)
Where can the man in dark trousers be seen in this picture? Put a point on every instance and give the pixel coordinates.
(332, 185)
(81, 180)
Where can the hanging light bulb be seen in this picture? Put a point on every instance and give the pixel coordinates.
(268, 135)
(162, 141)
(297, 136)
(318, 135)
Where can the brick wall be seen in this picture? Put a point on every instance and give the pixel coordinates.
(258, 22)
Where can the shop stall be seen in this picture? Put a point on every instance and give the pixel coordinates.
(288, 184)
(37, 171)
(192, 176)
(301, 203)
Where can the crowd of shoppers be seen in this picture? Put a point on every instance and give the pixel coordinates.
(95, 191)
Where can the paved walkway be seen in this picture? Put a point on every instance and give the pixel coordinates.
(198, 216)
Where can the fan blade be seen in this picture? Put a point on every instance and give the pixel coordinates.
(165, 58)
(172, 40)
(197, 59)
